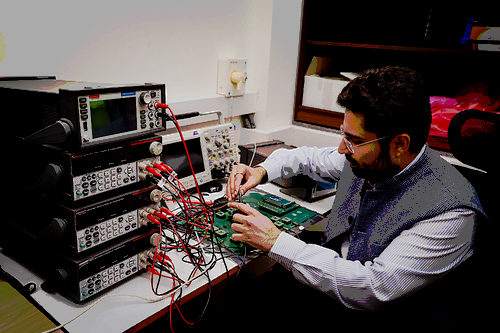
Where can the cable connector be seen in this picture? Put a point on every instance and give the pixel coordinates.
(149, 210)
(167, 211)
(153, 171)
(155, 213)
(145, 265)
(160, 215)
(143, 257)
(154, 219)
(160, 105)
(163, 167)
(143, 175)
(151, 254)
(145, 216)
(142, 165)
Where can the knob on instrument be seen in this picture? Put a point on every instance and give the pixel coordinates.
(156, 148)
(155, 195)
(145, 98)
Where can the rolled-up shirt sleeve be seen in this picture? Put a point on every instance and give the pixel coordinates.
(414, 259)
(321, 164)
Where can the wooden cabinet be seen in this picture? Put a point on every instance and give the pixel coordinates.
(360, 37)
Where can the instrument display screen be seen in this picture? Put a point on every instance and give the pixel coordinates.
(113, 116)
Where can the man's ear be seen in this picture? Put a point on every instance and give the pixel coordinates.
(400, 144)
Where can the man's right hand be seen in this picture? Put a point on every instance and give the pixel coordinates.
(243, 178)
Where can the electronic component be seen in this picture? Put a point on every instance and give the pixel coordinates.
(82, 114)
(85, 174)
(211, 149)
(99, 271)
(80, 276)
(276, 205)
(291, 219)
(83, 227)
(277, 201)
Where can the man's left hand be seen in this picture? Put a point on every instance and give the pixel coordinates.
(253, 228)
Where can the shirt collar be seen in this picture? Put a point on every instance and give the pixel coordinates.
(419, 156)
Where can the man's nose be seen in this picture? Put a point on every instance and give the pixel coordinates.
(342, 148)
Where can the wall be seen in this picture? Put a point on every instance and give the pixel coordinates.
(170, 41)
(292, 135)
(285, 37)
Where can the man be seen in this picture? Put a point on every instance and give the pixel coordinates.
(402, 217)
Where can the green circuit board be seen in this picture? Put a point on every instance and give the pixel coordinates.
(285, 215)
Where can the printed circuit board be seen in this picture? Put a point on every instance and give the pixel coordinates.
(286, 215)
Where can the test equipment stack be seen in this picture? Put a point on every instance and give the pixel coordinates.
(72, 153)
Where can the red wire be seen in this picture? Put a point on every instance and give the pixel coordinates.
(185, 147)
(183, 200)
(170, 309)
(206, 212)
(178, 309)
(154, 257)
(209, 218)
(183, 245)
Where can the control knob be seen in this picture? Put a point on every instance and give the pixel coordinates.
(210, 148)
(145, 98)
(155, 195)
(156, 148)
(218, 142)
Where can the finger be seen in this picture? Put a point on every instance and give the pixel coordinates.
(248, 185)
(239, 218)
(233, 188)
(231, 184)
(238, 237)
(238, 178)
(229, 191)
(245, 208)
(238, 227)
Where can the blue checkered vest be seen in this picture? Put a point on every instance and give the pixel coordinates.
(429, 187)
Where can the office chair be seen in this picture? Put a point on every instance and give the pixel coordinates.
(474, 139)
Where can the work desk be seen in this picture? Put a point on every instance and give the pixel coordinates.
(132, 305)
(129, 305)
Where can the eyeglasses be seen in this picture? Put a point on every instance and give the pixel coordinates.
(350, 146)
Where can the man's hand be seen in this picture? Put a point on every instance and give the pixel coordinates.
(243, 178)
(253, 228)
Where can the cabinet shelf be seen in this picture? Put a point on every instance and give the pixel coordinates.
(454, 51)
(445, 67)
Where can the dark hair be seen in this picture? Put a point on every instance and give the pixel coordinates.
(393, 100)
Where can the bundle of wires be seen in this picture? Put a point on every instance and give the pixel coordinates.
(183, 231)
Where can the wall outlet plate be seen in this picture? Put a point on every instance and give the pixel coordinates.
(232, 76)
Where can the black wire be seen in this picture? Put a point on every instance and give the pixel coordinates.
(195, 254)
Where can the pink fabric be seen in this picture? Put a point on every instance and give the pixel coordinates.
(472, 97)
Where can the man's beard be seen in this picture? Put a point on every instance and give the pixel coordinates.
(380, 169)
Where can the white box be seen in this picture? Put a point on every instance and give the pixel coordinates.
(322, 86)
(322, 93)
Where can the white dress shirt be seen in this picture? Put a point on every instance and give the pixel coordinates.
(414, 259)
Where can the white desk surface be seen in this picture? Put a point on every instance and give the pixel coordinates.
(115, 313)
(119, 313)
